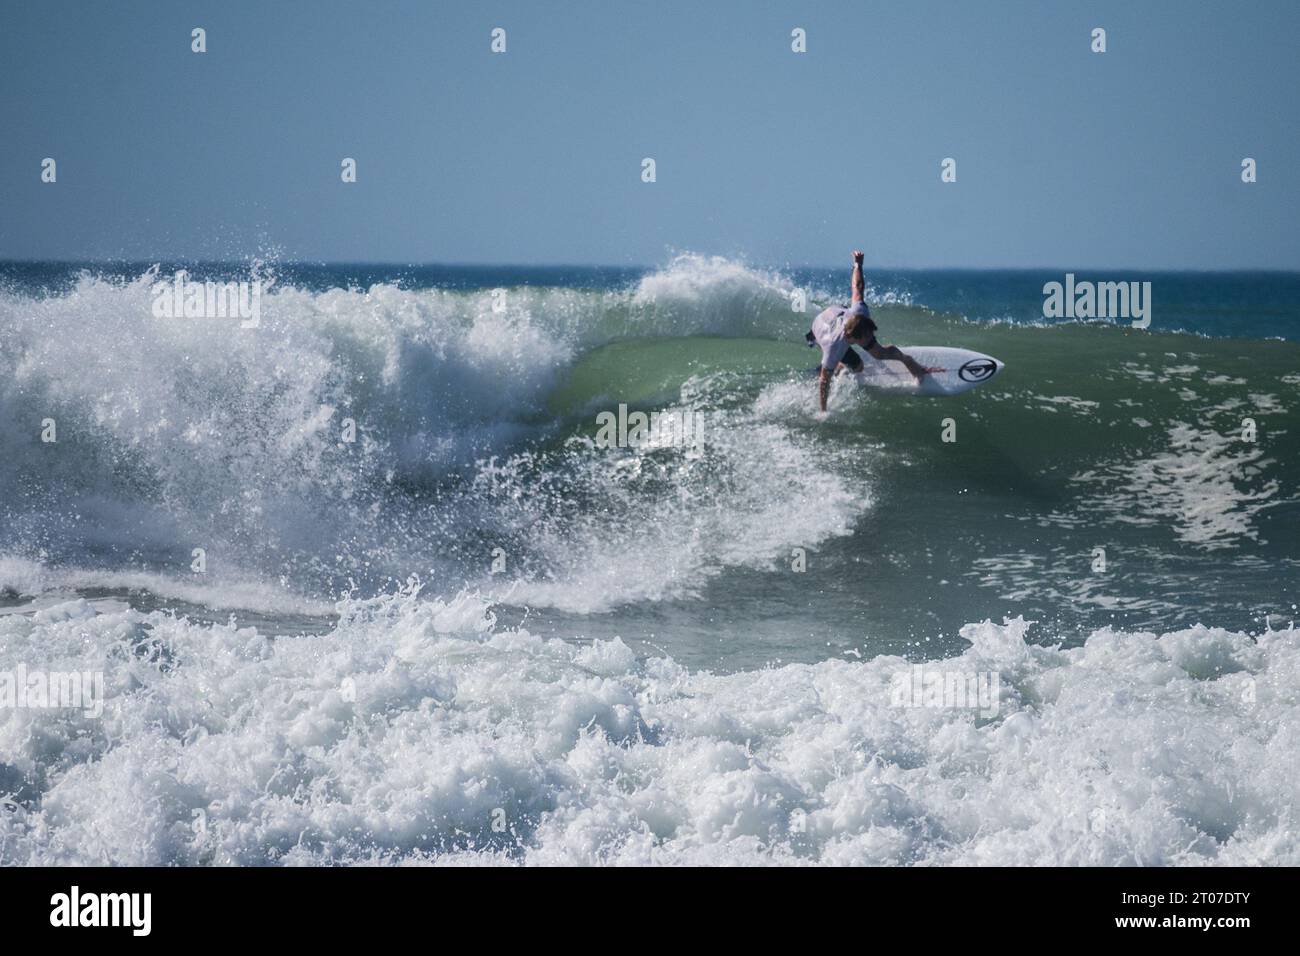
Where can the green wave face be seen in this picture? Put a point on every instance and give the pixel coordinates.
(1108, 475)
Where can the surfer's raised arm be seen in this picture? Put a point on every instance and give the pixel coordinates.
(874, 348)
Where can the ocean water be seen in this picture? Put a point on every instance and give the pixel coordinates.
(472, 634)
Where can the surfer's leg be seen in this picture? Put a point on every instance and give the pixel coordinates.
(894, 353)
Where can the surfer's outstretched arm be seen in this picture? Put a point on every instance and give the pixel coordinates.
(859, 284)
(823, 387)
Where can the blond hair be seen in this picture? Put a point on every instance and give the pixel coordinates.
(855, 322)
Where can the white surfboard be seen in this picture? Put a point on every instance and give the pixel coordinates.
(962, 371)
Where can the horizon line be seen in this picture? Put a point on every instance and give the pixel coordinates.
(394, 264)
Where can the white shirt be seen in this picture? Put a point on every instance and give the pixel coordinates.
(828, 330)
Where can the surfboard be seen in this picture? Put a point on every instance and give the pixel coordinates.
(962, 371)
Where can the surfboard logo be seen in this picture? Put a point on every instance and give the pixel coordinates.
(977, 370)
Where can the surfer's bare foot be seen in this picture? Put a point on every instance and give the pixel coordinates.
(857, 256)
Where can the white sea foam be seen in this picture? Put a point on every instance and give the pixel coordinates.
(1207, 486)
(418, 731)
(695, 294)
(175, 434)
(659, 523)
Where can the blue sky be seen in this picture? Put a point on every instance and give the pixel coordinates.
(1065, 158)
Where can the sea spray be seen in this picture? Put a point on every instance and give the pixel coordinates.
(590, 754)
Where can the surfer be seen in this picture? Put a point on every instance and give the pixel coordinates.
(837, 329)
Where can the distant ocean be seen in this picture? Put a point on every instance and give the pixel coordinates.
(364, 587)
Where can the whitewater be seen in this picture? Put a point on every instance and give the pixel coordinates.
(419, 731)
(475, 635)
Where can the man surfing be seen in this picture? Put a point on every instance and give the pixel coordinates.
(837, 329)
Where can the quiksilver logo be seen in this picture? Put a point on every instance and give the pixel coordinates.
(977, 370)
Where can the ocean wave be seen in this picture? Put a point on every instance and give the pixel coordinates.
(310, 442)
(472, 412)
(421, 731)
